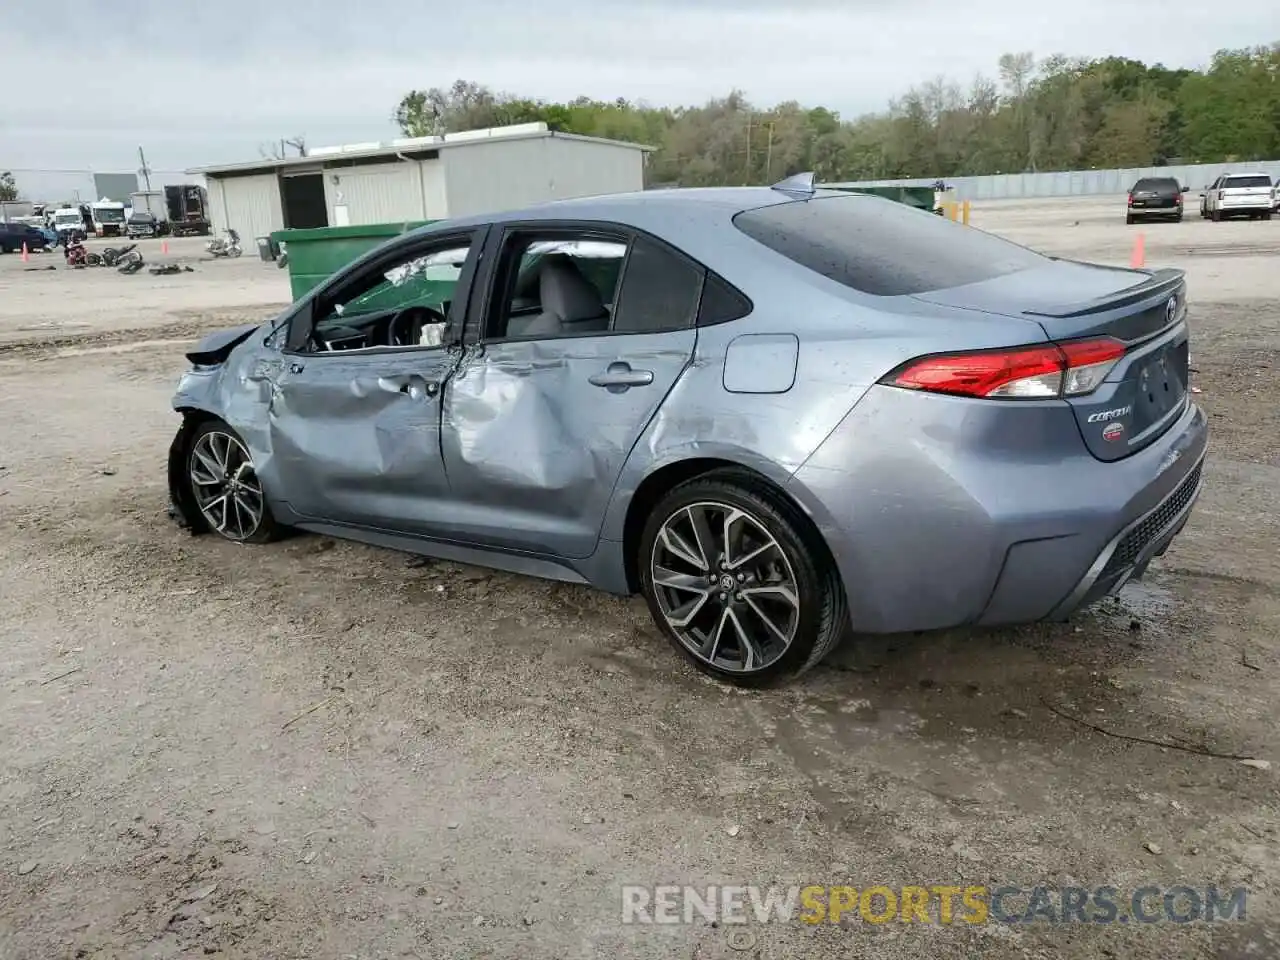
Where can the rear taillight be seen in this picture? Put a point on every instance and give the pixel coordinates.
(1131, 199)
(1069, 369)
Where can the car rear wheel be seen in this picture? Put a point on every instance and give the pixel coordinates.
(1128, 218)
(224, 486)
(735, 582)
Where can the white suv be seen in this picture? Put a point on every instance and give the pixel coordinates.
(1238, 195)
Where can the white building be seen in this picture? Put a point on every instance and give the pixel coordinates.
(424, 178)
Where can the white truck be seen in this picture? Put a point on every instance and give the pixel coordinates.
(1238, 195)
(66, 219)
(108, 218)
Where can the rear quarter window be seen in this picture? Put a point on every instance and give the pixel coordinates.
(881, 247)
(1246, 182)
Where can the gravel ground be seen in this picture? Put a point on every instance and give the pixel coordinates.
(317, 749)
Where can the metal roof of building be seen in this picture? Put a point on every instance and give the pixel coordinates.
(417, 147)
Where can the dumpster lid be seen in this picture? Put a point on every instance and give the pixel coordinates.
(360, 231)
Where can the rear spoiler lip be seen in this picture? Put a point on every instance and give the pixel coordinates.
(1158, 283)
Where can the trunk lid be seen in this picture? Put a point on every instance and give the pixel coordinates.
(1246, 196)
(1147, 390)
(1155, 198)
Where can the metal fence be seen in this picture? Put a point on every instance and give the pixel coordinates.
(1076, 183)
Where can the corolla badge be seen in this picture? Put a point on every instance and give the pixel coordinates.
(1113, 432)
(1113, 414)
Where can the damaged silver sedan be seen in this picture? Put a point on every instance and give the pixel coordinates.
(777, 413)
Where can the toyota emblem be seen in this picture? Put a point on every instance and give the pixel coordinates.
(1171, 310)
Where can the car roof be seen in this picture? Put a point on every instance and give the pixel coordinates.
(646, 207)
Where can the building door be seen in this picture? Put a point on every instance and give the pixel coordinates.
(303, 200)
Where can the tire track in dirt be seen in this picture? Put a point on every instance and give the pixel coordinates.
(186, 328)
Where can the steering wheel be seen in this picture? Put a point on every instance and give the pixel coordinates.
(405, 328)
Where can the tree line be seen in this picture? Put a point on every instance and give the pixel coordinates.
(1058, 113)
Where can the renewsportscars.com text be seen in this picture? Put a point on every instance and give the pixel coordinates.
(936, 903)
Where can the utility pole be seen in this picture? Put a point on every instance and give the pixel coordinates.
(145, 171)
(747, 181)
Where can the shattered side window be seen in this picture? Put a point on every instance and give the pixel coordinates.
(427, 281)
(442, 265)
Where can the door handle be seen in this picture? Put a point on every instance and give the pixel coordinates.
(411, 384)
(619, 376)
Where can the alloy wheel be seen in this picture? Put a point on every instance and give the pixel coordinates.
(725, 586)
(226, 489)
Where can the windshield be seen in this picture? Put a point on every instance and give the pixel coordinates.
(108, 215)
(67, 216)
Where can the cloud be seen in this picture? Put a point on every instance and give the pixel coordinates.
(206, 82)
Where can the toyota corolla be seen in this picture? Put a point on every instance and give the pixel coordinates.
(781, 414)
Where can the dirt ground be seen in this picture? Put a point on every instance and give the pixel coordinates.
(321, 750)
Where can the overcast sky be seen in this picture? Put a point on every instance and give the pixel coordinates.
(209, 81)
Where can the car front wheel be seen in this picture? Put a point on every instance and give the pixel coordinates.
(735, 582)
(224, 486)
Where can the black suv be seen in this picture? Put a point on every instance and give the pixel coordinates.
(1155, 197)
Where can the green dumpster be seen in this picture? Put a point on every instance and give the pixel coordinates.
(919, 197)
(317, 254)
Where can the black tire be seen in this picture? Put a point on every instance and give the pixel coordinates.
(266, 529)
(1177, 218)
(821, 612)
(1129, 219)
(1267, 215)
(1216, 216)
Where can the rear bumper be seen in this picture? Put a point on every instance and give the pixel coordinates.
(1138, 212)
(943, 512)
(1129, 552)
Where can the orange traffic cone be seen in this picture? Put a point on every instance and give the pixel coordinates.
(26, 257)
(1138, 259)
(164, 247)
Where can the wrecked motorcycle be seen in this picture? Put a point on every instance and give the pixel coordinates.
(130, 262)
(228, 246)
(112, 256)
(77, 255)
